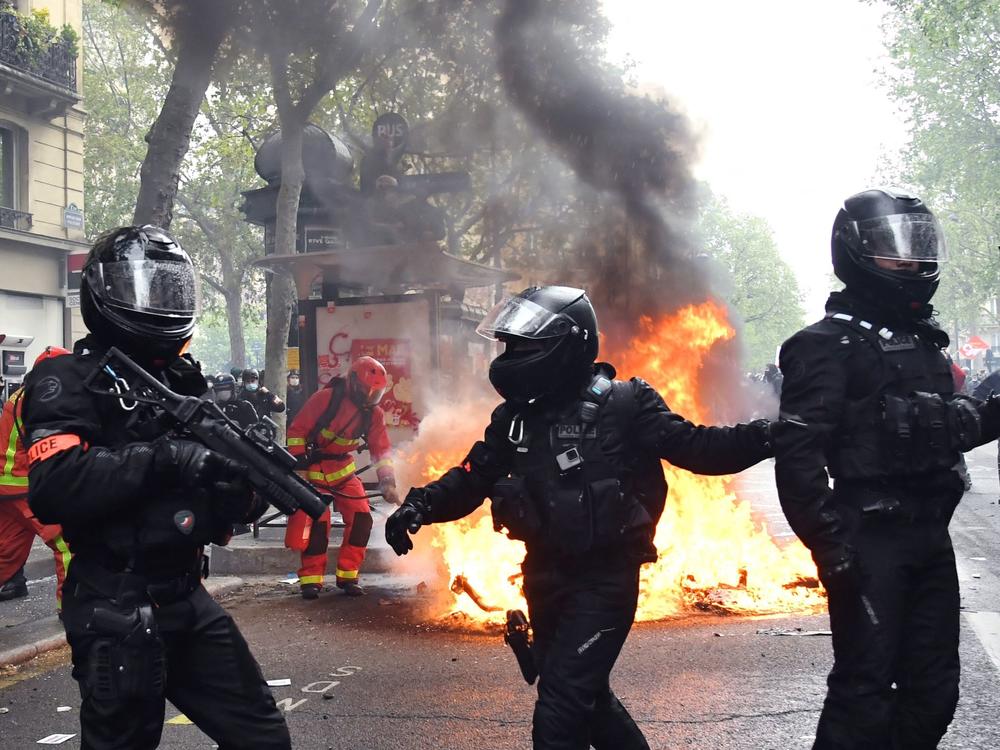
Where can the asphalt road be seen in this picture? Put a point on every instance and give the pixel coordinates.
(370, 674)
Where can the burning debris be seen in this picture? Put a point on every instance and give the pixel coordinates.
(461, 585)
(714, 555)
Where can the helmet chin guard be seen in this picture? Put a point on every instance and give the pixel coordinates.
(887, 246)
(551, 340)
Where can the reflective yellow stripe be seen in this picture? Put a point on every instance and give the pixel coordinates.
(7, 477)
(296, 441)
(337, 439)
(321, 477)
(65, 554)
(310, 579)
(345, 472)
(346, 573)
(383, 463)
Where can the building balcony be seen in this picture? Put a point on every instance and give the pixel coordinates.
(46, 78)
(11, 219)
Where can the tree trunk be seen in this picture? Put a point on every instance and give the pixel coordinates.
(170, 135)
(281, 295)
(234, 320)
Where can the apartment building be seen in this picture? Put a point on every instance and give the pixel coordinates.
(41, 176)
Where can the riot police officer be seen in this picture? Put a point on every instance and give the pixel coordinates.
(239, 410)
(571, 462)
(870, 395)
(260, 398)
(137, 506)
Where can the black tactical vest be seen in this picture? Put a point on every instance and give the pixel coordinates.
(909, 424)
(575, 485)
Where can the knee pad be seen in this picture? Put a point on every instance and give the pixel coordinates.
(319, 539)
(361, 530)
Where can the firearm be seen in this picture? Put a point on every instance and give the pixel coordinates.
(270, 468)
(517, 636)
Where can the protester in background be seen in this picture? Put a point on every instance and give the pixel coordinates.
(332, 424)
(18, 525)
(295, 396)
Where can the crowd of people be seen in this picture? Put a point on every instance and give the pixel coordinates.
(571, 463)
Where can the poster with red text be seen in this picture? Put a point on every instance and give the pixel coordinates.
(398, 334)
(395, 355)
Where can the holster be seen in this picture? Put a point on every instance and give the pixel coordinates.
(518, 637)
(127, 661)
(514, 509)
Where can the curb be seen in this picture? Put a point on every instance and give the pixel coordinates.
(21, 654)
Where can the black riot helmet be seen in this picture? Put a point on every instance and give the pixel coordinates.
(551, 342)
(139, 292)
(225, 388)
(892, 225)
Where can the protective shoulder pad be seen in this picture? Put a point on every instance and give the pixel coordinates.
(55, 400)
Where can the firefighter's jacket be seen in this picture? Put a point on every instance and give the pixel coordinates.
(14, 471)
(329, 461)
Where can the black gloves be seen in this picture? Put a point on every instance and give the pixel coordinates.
(191, 464)
(406, 520)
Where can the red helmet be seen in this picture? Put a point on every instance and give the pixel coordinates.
(50, 352)
(367, 381)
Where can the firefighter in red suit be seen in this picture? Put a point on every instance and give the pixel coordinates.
(18, 525)
(333, 423)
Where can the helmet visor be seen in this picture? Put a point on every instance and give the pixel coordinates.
(902, 237)
(153, 286)
(517, 316)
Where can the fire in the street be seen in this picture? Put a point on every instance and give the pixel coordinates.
(713, 553)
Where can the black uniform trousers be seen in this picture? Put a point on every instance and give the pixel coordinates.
(899, 626)
(580, 619)
(211, 677)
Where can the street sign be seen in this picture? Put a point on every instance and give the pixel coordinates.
(392, 128)
(319, 239)
(72, 217)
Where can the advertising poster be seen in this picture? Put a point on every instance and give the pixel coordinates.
(398, 334)
(397, 403)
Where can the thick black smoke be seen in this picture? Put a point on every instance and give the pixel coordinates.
(640, 256)
(632, 148)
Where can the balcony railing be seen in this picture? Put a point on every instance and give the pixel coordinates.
(11, 219)
(55, 64)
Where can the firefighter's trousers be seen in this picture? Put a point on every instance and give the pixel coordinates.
(18, 529)
(312, 538)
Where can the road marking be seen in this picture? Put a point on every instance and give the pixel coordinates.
(179, 719)
(986, 626)
(286, 704)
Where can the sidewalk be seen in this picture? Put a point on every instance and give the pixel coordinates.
(29, 626)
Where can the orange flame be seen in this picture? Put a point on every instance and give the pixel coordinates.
(712, 552)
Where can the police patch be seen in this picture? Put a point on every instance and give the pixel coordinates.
(184, 521)
(49, 388)
(574, 432)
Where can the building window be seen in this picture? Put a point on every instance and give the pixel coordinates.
(7, 161)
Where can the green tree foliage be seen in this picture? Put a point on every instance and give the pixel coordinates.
(127, 71)
(746, 269)
(948, 78)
